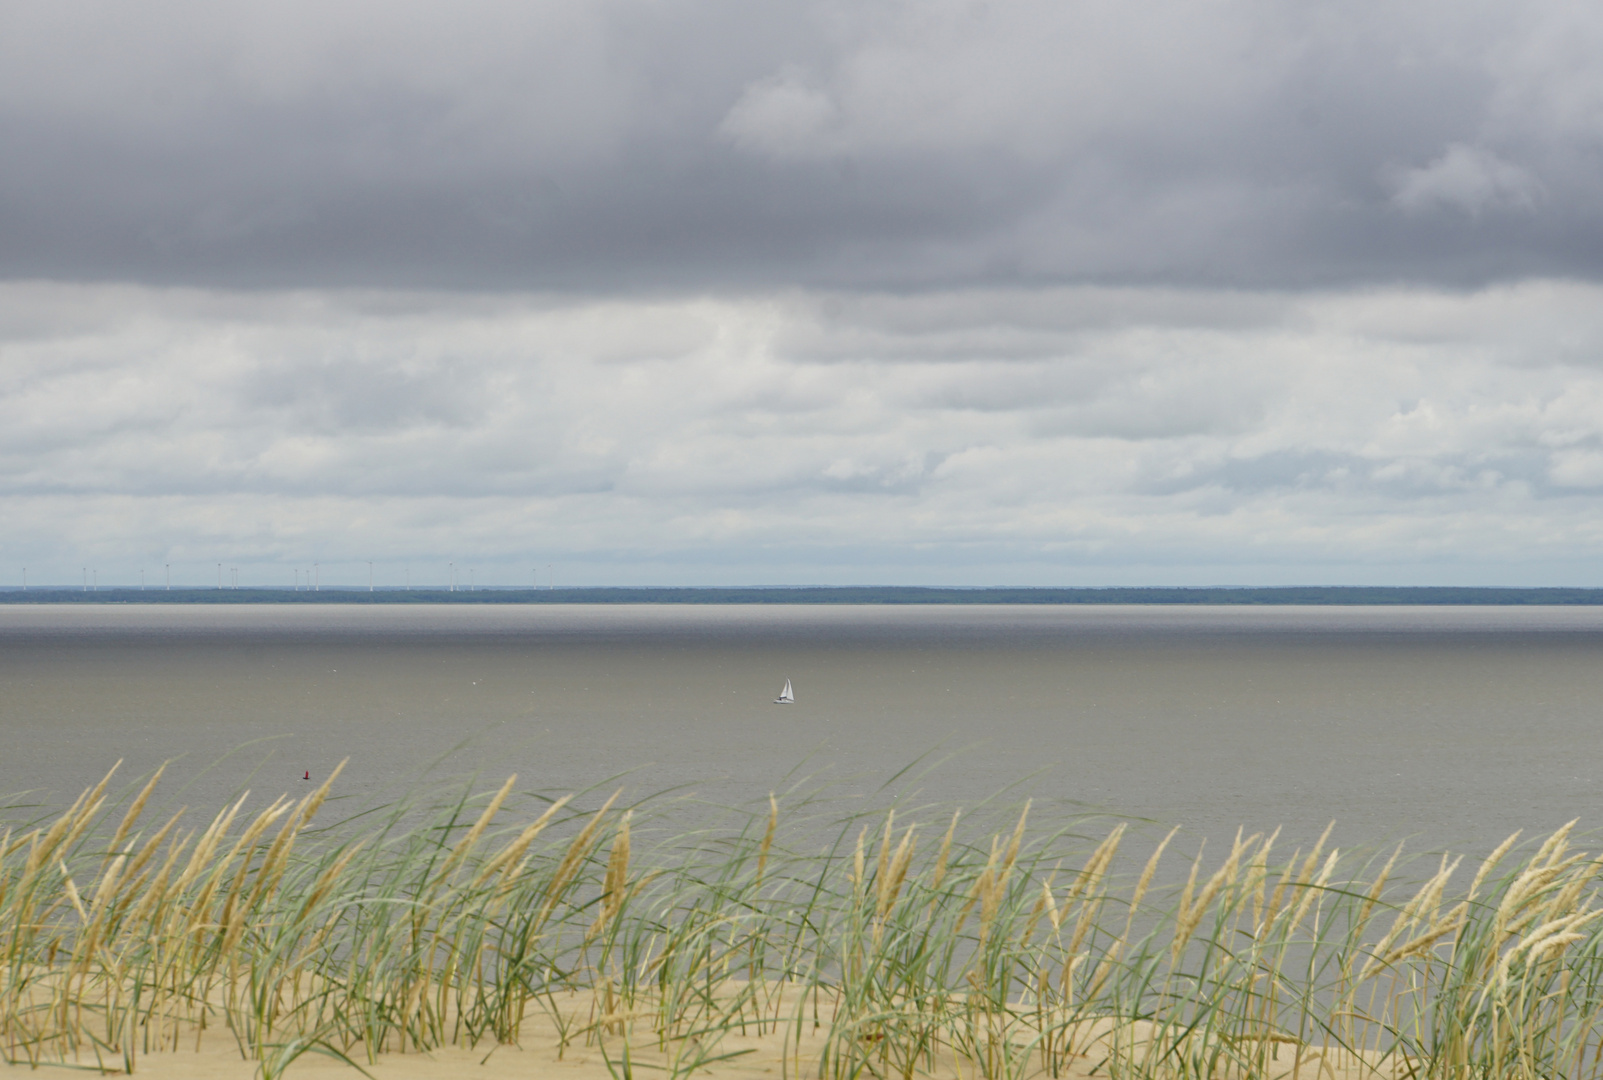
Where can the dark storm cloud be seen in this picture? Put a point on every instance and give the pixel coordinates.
(660, 144)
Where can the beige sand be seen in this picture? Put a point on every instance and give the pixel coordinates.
(769, 1057)
(585, 1063)
(218, 1062)
(219, 1057)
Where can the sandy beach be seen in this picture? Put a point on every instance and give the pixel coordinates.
(730, 1055)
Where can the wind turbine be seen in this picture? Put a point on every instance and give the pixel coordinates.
(370, 575)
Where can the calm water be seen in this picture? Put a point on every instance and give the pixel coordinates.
(1451, 725)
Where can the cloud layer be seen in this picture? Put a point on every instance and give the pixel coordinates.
(599, 145)
(1063, 436)
(804, 290)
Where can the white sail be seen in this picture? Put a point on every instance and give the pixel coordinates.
(787, 696)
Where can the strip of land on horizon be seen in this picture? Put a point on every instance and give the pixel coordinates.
(1369, 596)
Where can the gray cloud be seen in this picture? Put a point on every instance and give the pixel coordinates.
(1470, 180)
(355, 395)
(714, 145)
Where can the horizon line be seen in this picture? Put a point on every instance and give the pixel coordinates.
(1347, 595)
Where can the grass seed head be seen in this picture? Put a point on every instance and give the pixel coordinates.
(890, 885)
(135, 809)
(945, 853)
(1490, 862)
(1143, 883)
(768, 835)
(1016, 840)
(514, 851)
(882, 865)
(465, 845)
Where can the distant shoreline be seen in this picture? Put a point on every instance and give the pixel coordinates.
(1353, 596)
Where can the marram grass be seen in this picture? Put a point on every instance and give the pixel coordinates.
(908, 948)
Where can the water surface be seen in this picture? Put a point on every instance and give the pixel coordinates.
(1452, 725)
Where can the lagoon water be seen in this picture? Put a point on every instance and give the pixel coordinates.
(1451, 726)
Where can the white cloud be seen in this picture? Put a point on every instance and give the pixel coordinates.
(1470, 179)
(1579, 468)
(782, 116)
(1075, 434)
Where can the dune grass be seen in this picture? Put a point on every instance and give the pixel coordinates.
(904, 948)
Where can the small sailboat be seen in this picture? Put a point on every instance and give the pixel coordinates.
(787, 696)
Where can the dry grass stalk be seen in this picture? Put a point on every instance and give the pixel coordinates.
(768, 836)
(890, 883)
(1372, 897)
(1087, 889)
(1145, 882)
(1258, 881)
(510, 861)
(1049, 904)
(1223, 879)
(136, 808)
(1184, 917)
(572, 859)
(939, 874)
(882, 860)
(1491, 862)
(615, 887)
(469, 841)
(1015, 841)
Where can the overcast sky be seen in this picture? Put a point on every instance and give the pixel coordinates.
(695, 291)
